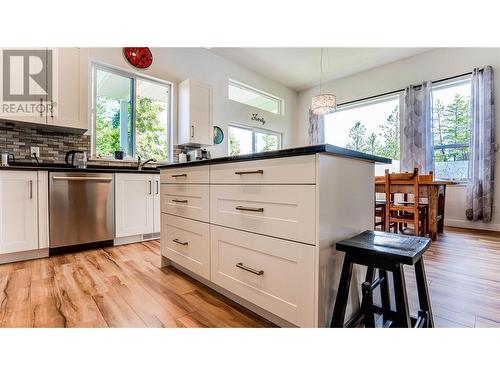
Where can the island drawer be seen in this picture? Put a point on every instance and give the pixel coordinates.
(274, 274)
(186, 242)
(187, 200)
(289, 170)
(185, 175)
(284, 211)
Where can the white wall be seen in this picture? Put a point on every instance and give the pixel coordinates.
(431, 65)
(177, 64)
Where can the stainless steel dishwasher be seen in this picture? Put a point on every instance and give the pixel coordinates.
(81, 209)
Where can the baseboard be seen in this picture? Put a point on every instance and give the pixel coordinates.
(246, 304)
(24, 255)
(471, 224)
(136, 238)
(126, 240)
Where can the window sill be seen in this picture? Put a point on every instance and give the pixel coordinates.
(97, 158)
(129, 161)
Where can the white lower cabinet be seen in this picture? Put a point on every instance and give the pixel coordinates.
(18, 211)
(274, 274)
(136, 195)
(157, 205)
(186, 242)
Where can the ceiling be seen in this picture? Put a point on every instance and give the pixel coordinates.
(298, 68)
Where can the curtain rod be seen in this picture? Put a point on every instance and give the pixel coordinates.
(401, 90)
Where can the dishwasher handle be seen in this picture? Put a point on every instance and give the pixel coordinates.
(82, 178)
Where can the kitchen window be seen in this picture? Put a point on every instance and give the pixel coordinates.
(243, 140)
(242, 93)
(131, 113)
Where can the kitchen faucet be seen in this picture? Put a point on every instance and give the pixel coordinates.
(139, 165)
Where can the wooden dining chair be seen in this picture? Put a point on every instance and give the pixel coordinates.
(379, 215)
(399, 214)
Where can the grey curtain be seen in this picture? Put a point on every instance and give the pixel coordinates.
(482, 158)
(417, 146)
(316, 128)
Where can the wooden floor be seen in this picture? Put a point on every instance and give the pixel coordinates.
(124, 286)
(119, 286)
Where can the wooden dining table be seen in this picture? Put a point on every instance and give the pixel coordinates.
(434, 191)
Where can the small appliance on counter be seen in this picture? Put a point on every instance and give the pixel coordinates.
(8, 159)
(71, 158)
(199, 154)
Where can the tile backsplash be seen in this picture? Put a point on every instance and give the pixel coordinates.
(53, 146)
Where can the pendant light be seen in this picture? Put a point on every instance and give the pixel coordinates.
(323, 104)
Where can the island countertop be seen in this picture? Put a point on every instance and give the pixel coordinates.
(287, 152)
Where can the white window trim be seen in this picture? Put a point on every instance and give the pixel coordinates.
(94, 65)
(254, 130)
(241, 85)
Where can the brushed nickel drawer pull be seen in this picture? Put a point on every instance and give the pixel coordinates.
(180, 200)
(258, 171)
(248, 269)
(180, 242)
(253, 209)
(179, 175)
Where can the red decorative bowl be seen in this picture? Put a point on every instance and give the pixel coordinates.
(140, 57)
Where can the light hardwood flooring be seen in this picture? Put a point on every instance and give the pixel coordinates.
(124, 286)
(120, 286)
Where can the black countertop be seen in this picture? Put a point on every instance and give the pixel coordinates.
(314, 149)
(63, 168)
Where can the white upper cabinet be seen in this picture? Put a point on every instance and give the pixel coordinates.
(69, 86)
(70, 106)
(18, 211)
(195, 113)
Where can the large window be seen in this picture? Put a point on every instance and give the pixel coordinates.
(130, 114)
(451, 129)
(248, 95)
(372, 127)
(243, 140)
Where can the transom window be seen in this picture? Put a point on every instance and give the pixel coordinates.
(130, 114)
(242, 93)
(243, 140)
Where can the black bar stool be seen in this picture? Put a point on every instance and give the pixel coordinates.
(386, 252)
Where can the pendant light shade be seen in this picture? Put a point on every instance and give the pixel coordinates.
(324, 104)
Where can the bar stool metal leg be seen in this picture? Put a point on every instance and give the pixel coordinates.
(342, 294)
(423, 292)
(403, 311)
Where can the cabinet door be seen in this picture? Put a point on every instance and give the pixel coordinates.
(18, 211)
(195, 113)
(67, 89)
(201, 113)
(16, 86)
(157, 204)
(134, 201)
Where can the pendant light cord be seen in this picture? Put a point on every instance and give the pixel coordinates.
(320, 71)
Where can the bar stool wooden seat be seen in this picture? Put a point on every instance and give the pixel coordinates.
(387, 252)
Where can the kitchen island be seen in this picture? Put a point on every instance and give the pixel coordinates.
(262, 228)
